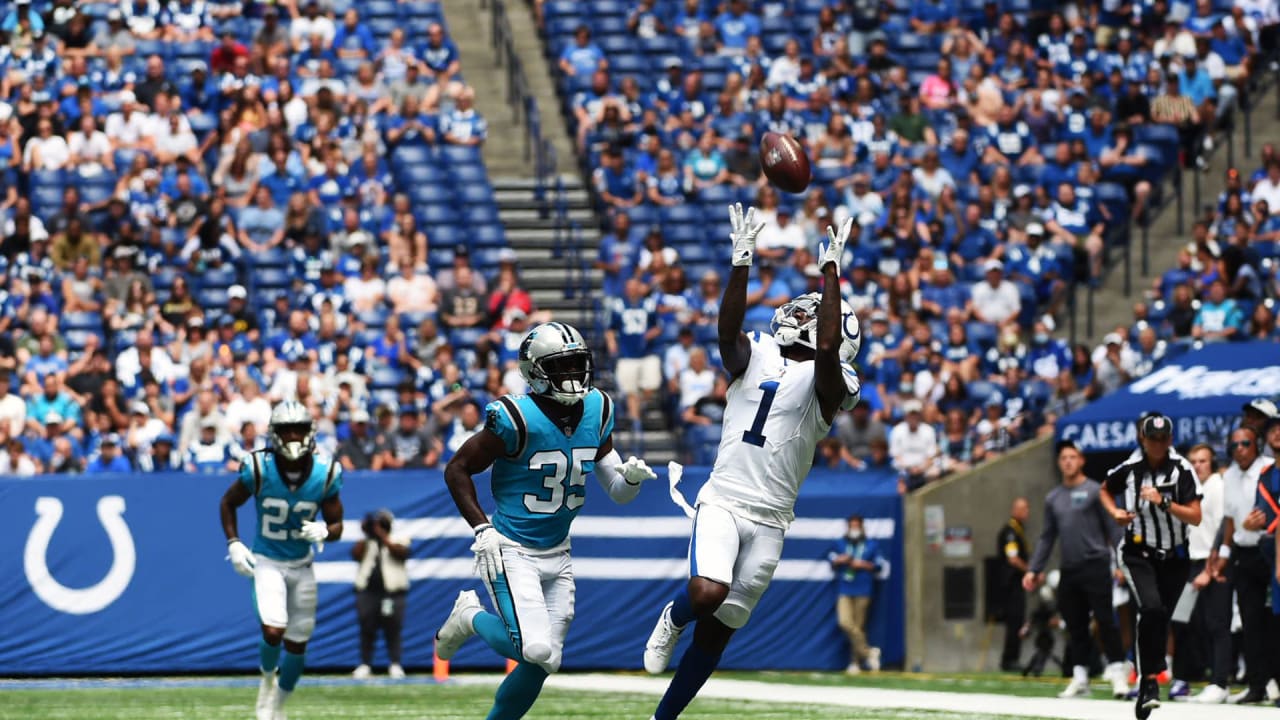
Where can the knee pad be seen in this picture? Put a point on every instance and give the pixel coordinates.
(734, 616)
(553, 663)
(538, 653)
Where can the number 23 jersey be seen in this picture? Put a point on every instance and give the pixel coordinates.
(772, 424)
(282, 509)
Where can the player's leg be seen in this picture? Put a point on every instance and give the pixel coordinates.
(713, 550)
(544, 611)
(758, 555)
(301, 584)
(270, 598)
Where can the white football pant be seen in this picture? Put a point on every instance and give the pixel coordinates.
(286, 596)
(534, 597)
(737, 552)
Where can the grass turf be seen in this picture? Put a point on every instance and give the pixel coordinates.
(998, 684)
(317, 701)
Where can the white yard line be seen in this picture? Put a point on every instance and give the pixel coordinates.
(976, 703)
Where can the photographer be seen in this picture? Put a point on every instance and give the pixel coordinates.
(381, 585)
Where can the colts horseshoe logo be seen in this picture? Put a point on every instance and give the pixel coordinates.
(88, 600)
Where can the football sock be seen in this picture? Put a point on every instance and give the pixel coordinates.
(695, 667)
(268, 656)
(682, 608)
(290, 671)
(493, 631)
(518, 692)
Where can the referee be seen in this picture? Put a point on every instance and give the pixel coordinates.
(1153, 496)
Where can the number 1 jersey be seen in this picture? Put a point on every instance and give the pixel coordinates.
(282, 509)
(540, 484)
(772, 424)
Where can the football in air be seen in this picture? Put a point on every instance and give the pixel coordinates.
(784, 162)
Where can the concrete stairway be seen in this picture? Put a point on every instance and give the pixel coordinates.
(1111, 306)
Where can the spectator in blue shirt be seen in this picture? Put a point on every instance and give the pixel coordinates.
(633, 326)
(1047, 357)
(186, 20)
(1219, 318)
(1078, 225)
(583, 58)
(440, 63)
(766, 292)
(56, 402)
(616, 258)
(410, 125)
(353, 39)
(617, 184)
(858, 562)
(1195, 81)
(1009, 141)
(934, 16)
(734, 26)
(261, 225)
(463, 125)
(109, 458)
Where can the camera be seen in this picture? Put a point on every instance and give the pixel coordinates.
(382, 518)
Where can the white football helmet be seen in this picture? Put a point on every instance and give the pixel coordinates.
(797, 322)
(291, 415)
(555, 361)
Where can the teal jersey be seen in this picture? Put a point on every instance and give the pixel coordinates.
(541, 483)
(281, 510)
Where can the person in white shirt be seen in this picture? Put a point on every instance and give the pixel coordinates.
(247, 407)
(91, 150)
(13, 411)
(128, 127)
(128, 366)
(367, 290)
(995, 301)
(1240, 559)
(697, 380)
(14, 461)
(46, 151)
(777, 240)
(412, 291)
(312, 22)
(913, 448)
(1268, 188)
(1212, 618)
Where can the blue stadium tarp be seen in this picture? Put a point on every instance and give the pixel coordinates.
(126, 573)
(1202, 391)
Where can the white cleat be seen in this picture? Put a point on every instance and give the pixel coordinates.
(395, 672)
(662, 643)
(457, 628)
(1076, 688)
(363, 672)
(264, 708)
(1210, 695)
(853, 670)
(1118, 674)
(278, 702)
(873, 659)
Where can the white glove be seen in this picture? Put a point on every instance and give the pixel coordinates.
(241, 558)
(635, 471)
(744, 231)
(314, 531)
(834, 251)
(488, 550)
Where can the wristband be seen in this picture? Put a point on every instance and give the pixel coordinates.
(1165, 502)
(1224, 551)
(230, 541)
(481, 528)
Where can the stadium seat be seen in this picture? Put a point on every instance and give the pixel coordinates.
(375, 319)
(561, 9)
(275, 257)
(406, 155)
(385, 379)
(265, 277)
(481, 215)
(379, 9)
(461, 154)
(213, 298)
(81, 321)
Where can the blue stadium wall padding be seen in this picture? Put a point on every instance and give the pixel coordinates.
(127, 574)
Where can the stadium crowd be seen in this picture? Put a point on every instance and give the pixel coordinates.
(989, 152)
(212, 206)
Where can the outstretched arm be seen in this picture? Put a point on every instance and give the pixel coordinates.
(828, 376)
(735, 348)
(620, 479)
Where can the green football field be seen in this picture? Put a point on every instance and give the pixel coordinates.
(778, 695)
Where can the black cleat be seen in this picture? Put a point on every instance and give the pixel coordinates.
(1148, 698)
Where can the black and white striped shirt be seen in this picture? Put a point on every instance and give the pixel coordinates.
(1153, 527)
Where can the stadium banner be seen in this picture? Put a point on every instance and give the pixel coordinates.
(1202, 391)
(127, 574)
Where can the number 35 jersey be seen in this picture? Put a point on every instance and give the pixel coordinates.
(772, 423)
(282, 509)
(540, 484)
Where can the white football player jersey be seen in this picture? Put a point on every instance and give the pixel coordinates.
(772, 424)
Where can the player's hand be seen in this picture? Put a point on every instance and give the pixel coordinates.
(488, 550)
(834, 251)
(241, 558)
(1122, 517)
(314, 531)
(635, 471)
(744, 231)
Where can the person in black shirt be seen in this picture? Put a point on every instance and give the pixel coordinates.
(1153, 495)
(1011, 544)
